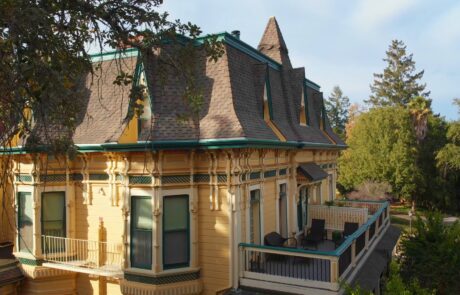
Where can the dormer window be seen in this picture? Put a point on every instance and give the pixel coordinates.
(303, 108)
(268, 112)
(146, 114)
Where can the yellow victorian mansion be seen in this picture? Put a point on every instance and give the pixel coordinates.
(153, 206)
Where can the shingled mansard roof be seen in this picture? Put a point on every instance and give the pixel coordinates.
(233, 93)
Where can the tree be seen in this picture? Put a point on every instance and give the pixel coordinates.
(399, 83)
(45, 50)
(420, 109)
(448, 163)
(337, 106)
(381, 149)
(431, 255)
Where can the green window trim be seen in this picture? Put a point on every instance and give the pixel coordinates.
(269, 93)
(305, 102)
(175, 229)
(141, 232)
(25, 220)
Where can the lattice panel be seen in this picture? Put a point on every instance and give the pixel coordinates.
(270, 173)
(77, 177)
(283, 171)
(98, 177)
(222, 178)
(254, 175)
(140, 179)
(53, 178)
(24, 178)
(201, 178)
(175, 179)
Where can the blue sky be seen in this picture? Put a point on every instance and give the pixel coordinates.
(343, 42)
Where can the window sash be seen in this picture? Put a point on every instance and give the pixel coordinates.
(25, 221)
(53, 214)
(176, 231)
(141, 232)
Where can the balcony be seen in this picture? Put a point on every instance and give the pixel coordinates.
(85, 256)
(320, 271)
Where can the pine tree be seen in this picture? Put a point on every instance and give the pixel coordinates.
(337, 107)
(399, 83)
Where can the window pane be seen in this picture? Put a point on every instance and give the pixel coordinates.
(176, 248)
(141, 232)
(143, 213)
(176, 233)
(175, 212)
(25, 221)
(53, 214)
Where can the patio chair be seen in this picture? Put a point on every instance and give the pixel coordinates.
(316, 233)
(274, 239)
(348, 229)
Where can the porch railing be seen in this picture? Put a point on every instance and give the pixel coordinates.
(335, 216)
(290, 269)
(103, 258)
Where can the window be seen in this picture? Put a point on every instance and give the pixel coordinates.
(176, 231)
(254, 217)
(302, 208)
(330, 179)
(282, 207)
(25, 221)
(268, 112)
(303, 108)
(141, 232)
(53, 214)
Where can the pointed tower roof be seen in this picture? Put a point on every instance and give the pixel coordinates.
(272, 43)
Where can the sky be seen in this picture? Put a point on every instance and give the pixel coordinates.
(343, 42)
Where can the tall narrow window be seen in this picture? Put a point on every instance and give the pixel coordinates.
(330, 179)
(141, 232)
(25, 221)
(254, 218)
(53, 214)
(282, 207)
(268, 112)
(302, 208)
(303, 108)
(176, 231)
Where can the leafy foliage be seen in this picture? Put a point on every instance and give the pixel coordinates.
(399, 82)
(397, 286)
(431, 255)
(337, 106)
(381, 149)
(44, 52)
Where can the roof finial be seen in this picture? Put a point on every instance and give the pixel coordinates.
(272, 43)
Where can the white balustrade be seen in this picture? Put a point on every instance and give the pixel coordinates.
(104, 257)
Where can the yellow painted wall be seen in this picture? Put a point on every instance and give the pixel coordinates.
(269, 199)
(213, 224)
(213, 241)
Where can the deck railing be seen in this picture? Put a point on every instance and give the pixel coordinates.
(335, 216)
(103, 258)
(291, 269)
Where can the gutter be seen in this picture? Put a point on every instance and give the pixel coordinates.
(184, 144)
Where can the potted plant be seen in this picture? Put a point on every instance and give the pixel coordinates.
(336, 236)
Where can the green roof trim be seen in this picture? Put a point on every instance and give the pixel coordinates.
(312, 85)
(185, 144)
(110, 55)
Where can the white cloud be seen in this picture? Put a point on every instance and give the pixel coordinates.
(372, 14)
